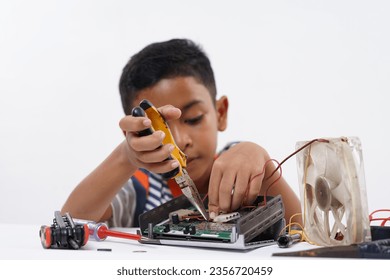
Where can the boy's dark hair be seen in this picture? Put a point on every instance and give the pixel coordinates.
(169, 59)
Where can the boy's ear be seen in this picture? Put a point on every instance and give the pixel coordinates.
(222, 105)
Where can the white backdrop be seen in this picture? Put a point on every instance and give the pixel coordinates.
(293, 70)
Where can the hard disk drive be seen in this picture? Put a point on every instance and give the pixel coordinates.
(178, 223)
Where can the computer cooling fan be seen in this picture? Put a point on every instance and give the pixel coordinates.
(332, 189)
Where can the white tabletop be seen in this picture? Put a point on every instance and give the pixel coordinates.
(23, 242)
(23, 257)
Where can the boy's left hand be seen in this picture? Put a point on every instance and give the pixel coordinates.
(235, 178)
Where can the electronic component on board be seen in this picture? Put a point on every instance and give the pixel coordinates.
(223, 218)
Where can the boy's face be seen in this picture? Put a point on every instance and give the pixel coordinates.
(195, 132)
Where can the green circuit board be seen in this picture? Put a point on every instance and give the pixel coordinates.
(195, 230)
(190, 225)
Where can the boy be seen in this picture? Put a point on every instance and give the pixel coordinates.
(178, 73)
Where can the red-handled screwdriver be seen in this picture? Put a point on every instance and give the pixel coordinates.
(100, 231)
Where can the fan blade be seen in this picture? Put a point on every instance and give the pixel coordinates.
(326, 226)
(318, 158)
(338, 225)
(341, 196)
(311, 175)
(332, 169)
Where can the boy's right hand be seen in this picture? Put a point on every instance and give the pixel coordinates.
(147, 151)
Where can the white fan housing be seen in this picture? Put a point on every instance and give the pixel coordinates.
(332, 190)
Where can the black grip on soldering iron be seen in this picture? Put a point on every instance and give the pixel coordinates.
(139, 112)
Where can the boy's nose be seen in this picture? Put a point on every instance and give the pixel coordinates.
(182, 138)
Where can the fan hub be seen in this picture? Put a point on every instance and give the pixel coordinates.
(323, 194)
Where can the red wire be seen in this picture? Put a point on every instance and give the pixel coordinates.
(384, 220)
(297, 151)
(262, 172)
(277, 179)
(379, 210)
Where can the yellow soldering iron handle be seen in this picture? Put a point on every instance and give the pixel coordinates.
(146, 108)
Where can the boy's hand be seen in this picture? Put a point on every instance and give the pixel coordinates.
(147, 151)
(235, 178)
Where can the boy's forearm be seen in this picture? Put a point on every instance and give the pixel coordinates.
(92, 197)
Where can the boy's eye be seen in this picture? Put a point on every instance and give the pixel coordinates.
(195, 120)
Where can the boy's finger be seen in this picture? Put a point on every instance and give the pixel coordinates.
(213, 193)
(162, 167)
(254, 189)
(225, 191)
(145, 143)
(240, 189)
(134, 124)
(156, 156)
(169, 112)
